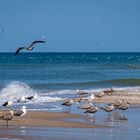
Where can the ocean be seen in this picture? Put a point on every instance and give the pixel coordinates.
(55, 76)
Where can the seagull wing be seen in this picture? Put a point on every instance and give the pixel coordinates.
(5, 104)
(34, 42)
(18, 50)
(6, 117)
(18, 112)
(29, 98)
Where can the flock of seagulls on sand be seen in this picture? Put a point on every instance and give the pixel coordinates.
(90, 107)
(88, 104)
(18, 113)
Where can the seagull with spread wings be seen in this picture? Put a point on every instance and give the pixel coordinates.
(30, 47)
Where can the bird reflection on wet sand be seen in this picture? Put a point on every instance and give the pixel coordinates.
(116, 117)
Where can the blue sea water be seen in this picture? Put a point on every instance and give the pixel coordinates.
(70, 70)
(59, 74)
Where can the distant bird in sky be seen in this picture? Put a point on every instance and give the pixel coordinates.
(2, 31)
(30, 47)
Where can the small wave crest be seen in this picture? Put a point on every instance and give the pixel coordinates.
(130, 81)
(60, 92)
(16, 89)
(89, 84)
(47, 99)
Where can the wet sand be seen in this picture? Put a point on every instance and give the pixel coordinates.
(43, 121)
(50, 119)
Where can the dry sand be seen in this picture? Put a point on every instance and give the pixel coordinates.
(131, 95)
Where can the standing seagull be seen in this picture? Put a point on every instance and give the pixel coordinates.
(86, 106)
(89, 98)
(29, 48)
(7, 117)
(21, 112)
(32, 98)
(22, 99)
(123, 106)
(80, 92)
(68, 103)
(93, 109)
(7, 104)
(108, 108)
(99, 95)
(117, 103)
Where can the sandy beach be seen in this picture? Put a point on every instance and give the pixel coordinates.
(36, 120)
(49, 119)
(34, 123)
(132, 96)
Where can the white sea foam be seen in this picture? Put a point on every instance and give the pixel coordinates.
(15, 90)
(90, 91)
(59, 92)
(47, 99)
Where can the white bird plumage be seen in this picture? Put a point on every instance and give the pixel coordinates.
(89, 98)
(21, 112)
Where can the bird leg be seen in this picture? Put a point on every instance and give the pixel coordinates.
(7, 123)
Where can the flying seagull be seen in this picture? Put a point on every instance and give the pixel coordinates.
(30, 47)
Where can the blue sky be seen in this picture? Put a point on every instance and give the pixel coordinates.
(71, 25)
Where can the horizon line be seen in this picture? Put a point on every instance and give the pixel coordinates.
(70, 52)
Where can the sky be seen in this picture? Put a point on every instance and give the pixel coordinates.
(70, 25)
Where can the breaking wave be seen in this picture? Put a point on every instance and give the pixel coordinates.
(16, 89)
